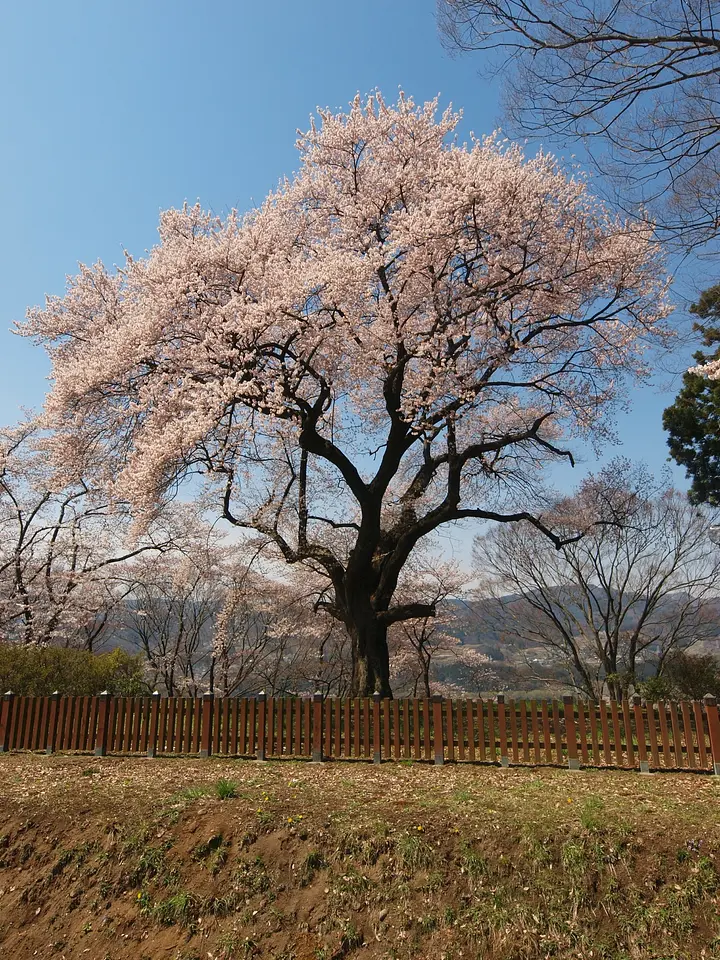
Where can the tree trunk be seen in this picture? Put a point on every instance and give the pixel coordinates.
(426, 679)
(371, 661)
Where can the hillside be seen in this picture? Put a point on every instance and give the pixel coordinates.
(119, 859)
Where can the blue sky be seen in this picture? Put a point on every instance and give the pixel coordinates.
(112, 112)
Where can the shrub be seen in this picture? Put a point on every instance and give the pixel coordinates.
(38, 671)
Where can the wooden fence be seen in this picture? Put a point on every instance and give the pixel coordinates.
(629, 734)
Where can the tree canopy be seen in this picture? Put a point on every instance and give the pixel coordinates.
(398, 338)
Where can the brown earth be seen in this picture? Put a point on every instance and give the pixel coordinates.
(115, 859)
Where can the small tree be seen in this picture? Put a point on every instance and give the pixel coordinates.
(619, 602)
(169, 616)
(421, 648)
(693, 675)
(397, 336)
(269, 636)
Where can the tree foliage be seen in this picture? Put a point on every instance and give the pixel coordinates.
(397, 339)
(693, 420)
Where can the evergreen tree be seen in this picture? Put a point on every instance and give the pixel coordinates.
(693, 420)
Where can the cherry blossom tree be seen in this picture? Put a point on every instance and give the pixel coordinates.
(269, 637)
(421, 647)
(62, 550)
(398, 338)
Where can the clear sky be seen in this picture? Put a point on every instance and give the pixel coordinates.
(112, 112)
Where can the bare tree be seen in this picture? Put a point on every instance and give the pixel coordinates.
(601, 611)
(639, 77)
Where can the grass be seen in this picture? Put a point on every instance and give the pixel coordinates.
(413, 853)
(591, 813)
(226, 789)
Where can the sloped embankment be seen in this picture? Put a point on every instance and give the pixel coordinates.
(202, 859)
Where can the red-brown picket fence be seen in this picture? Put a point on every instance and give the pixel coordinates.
(630, 734)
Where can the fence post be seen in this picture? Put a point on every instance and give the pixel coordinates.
(207, 722)
(640, 734)
(317, 728)
(502, 730)
(437, 702)
(102, 734)
(571, 732)
(711, 711)
(153, 731)
(377, 740)
(6, 709)
(261, 713)
(52, 722)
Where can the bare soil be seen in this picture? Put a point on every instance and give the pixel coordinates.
(111, 859)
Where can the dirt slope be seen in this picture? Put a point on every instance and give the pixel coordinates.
(118, 858)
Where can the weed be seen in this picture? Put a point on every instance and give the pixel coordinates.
(221, 906)
(251, 875)
(435, 881)
(188, 795)
(364, 846)
(350, 888)
(77, 855)
(574, 858)
(179, 908)
(313, 862)
(225, 789)
(213, 851)
(137, 838)
(150, 864)
(591, 813)
(351, 939)
(413, 852)
(228, 944)
(472, 864)
(462, 796)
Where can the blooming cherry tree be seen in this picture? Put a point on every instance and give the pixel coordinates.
(400, 330)
(63, 552)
